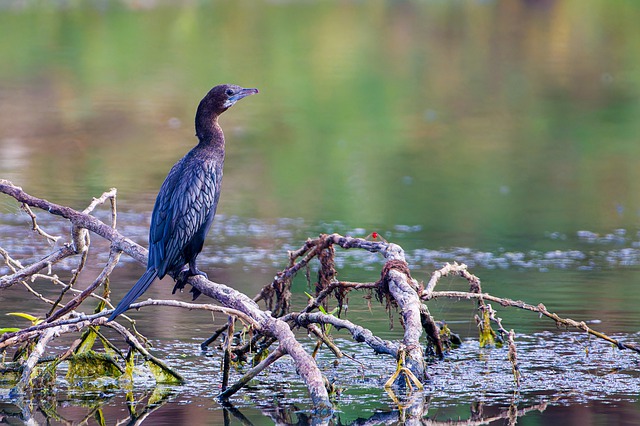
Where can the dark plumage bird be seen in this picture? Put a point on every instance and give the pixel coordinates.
(187, 201)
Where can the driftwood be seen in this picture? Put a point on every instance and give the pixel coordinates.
(276, 322)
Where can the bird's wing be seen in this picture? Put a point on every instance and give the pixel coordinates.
(185, 204)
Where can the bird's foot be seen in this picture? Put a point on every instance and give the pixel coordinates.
(195, 292)
(182, 279)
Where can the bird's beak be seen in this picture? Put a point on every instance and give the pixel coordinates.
(244, 93)
(241, 94)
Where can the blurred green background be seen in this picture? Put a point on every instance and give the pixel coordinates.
(478, 119)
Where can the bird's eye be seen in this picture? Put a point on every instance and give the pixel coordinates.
(229, 92)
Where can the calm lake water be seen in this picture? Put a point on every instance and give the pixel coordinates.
(500, 134)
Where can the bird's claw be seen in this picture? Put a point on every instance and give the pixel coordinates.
(195, 293)
(182, 279)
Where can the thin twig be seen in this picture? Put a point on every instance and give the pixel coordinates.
(253, 372)
(25, 272)
(84, 253)
(323, 339)
(226, 361)
(35, 227)
(114, 256)
(540, 309)
(513, 357)
(108, 195)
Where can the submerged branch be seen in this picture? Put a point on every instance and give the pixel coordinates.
(253, 372)
(305, 364)
(32, 360)
(135, 343)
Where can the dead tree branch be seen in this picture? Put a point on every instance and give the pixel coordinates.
(540, 309)
(35, 227)
(396, 288)
(114, 256)
(225, 295)
(359, 333)
(253, 372)
(25, 272)
(396, 281)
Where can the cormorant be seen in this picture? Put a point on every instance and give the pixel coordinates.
(187, 201)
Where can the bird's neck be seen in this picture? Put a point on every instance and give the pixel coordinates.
(210, 134)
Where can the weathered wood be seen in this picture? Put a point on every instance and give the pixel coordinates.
(405, 292)
(359, 333)
(305, 364)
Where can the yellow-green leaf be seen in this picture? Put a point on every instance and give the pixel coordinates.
(99, 416)
(487, 335)
(257, 359)
(34, 320)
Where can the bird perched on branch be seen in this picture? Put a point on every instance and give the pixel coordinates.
(187, 201)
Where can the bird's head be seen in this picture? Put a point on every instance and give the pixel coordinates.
(217, 101)
(222, 97)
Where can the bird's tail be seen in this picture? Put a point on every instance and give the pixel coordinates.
(136, 291)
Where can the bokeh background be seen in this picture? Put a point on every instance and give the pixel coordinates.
(468, 117)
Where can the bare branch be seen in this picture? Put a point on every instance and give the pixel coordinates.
(247, 319)
(114, 256)
(77, 218)
(35, 227)
(359, 333)
(450, 268)
(25, 272)
(323, 339)
(109, 195)
(270, 359)
(540, 309)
